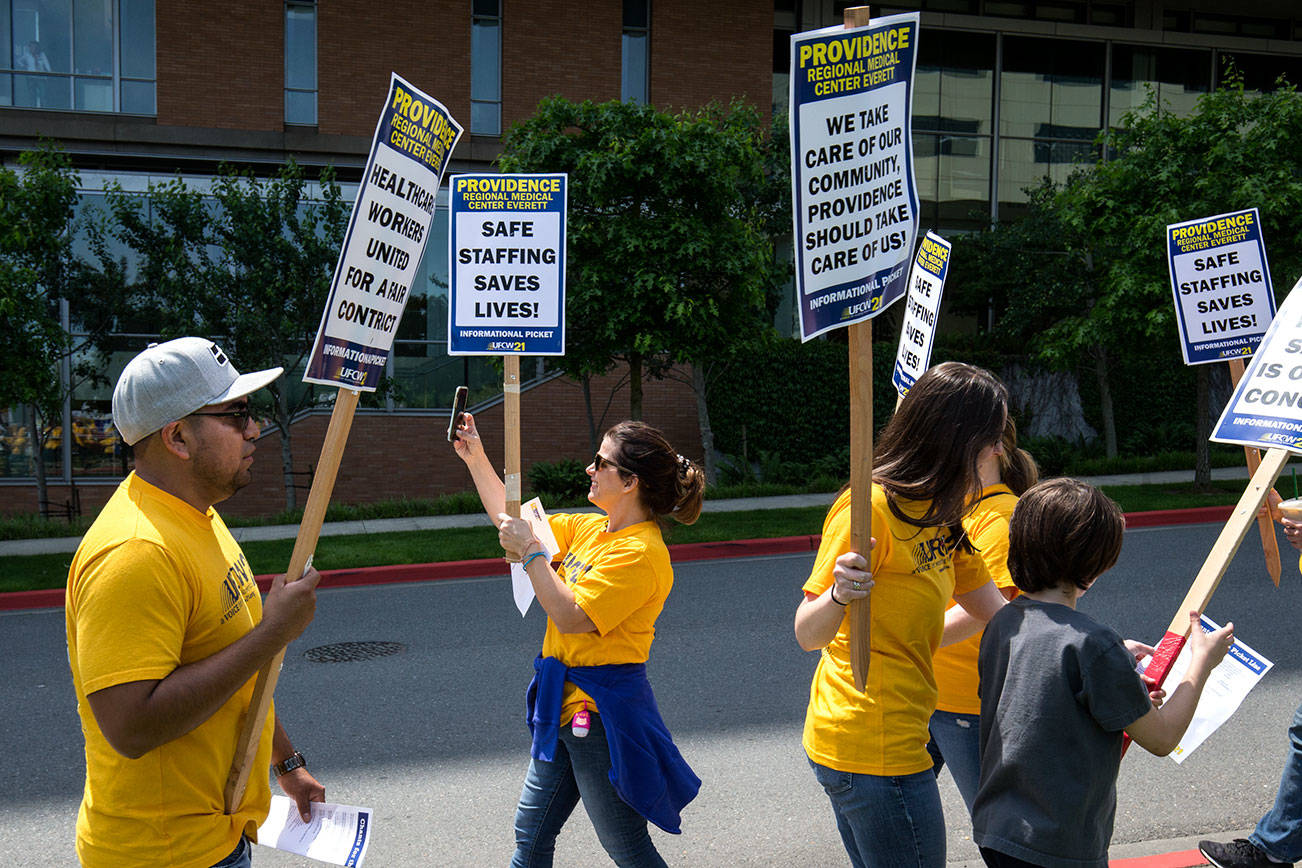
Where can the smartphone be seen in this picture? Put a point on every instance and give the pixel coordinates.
(458, 410)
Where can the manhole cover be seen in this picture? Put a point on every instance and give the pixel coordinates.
(346, 652)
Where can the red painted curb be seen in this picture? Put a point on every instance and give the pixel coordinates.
(1193, 515)
(356, 576)
(1183, 859)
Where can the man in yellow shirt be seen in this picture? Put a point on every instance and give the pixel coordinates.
(166, 629)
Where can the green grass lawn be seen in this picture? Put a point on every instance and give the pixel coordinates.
(29, 572)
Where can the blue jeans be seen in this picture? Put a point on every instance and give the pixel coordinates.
(956, 740)
(240, 857)
(552, 789)
(1279, 833)
(887, 822)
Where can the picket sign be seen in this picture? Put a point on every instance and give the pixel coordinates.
(378, 264)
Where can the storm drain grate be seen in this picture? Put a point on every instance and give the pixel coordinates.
(347, 652)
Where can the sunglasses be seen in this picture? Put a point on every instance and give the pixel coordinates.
(242, 416)
(600, 463)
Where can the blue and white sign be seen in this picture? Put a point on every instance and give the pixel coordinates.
(1265, 410)
(855, 205)
(1223, 297)
(921, 310)
(387, 234)
(506, 290)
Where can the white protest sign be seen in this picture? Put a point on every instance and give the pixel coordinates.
(521, 587)
(1224, 692)
(855, 204)
(1266, 408)
(506, 288)
(387, 233)
(1221, 281)
(921, 309)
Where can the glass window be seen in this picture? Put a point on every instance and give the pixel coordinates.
(635, 56)
(1054, 81)
(300, 63)
(1177, 75)
(1261, 72)
(954, 83)
(89, 55)
(486, 68)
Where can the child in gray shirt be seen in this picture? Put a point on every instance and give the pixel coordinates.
(1058, 689)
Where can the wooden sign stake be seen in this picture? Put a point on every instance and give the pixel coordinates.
(861, 456)
(511, 417)
(1265, 523)
(1213, 569)
(309, 531)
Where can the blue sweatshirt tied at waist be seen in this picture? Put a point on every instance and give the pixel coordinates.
(646, 768)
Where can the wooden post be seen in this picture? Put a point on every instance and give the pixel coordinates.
(309, 531)
(1265, 523)
(511, 416)
(861, 456)
(1213, 569)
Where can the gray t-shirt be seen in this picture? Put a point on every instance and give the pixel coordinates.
(1057, 689)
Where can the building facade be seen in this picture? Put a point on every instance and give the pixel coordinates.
(139, 91)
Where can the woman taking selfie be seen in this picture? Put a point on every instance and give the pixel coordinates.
(590, 700)
(868, 749)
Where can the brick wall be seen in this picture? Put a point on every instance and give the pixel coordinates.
(222, 64)
(392, 456)
(360, 43)
(711, 51)
(558, 47)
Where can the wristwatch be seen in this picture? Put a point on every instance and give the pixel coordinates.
(293, 761)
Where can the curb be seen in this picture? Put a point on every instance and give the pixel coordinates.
(360, 576)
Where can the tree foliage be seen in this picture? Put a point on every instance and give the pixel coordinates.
(247, 263)
(669, 253)
(40, 271)
(1083, 277)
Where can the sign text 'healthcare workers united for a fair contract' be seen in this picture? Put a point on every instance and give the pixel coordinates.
(506, 290)
(387, 233)
(854, 200)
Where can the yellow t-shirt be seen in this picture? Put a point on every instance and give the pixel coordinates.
(883, 731)
(956, 665)
(620, 580)
(155, 585)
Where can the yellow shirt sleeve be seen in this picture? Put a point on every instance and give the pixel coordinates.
(131, 616)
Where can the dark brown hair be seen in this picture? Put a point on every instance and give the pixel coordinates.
(669, 484)
(928, 451)
(1063, 533)
(1017, 469)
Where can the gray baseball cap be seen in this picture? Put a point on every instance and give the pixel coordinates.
(171, 380)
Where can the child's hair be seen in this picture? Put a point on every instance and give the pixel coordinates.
(928, 450)
(1063, 532)
(670, 485)
(1017, 468)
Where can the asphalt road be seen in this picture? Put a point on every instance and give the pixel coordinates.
(433, 738)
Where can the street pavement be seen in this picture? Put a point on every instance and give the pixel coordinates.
(433, 738)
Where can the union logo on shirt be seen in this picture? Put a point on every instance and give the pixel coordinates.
(932, 554)
(572, 569)
(238, 587)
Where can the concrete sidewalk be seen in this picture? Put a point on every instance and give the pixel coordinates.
(55, 545)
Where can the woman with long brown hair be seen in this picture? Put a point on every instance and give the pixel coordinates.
(597, 734)
(868, 749)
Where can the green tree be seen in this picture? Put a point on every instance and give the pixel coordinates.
(670, 234)
(1087, 268)
(248, 263)
(55, 308)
